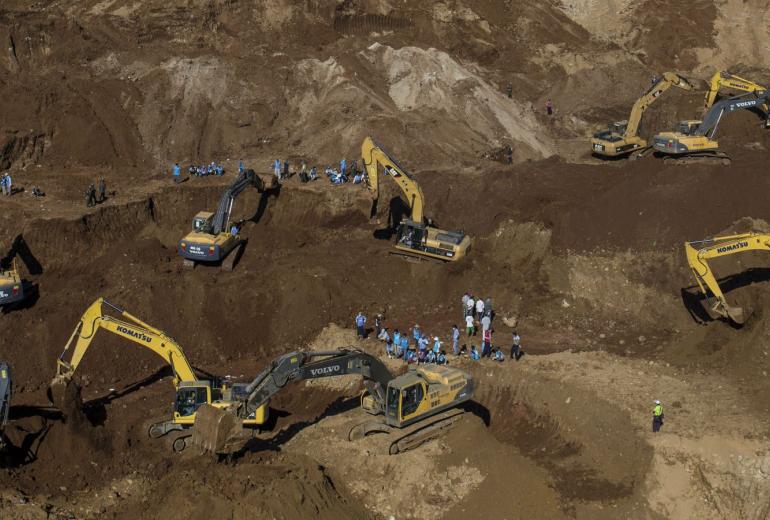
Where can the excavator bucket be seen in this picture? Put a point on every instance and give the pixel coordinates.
(62, 393)
(736, 314)
(215, 429)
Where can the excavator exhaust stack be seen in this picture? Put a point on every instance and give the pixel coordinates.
(216, 430)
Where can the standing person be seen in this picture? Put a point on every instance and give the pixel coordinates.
(516, 346)
(91, 196)
(486, 322)
(416, 333)
(286, 169)
(549, 107)
(486, 345)
(465, 302)
(9, 184)
(436, 345)
(657, 416)
(479, 309)
(422, 344)
(455, 339)
(176, 171)
(343, 166)
(102, 190)
(469, 325)
(488, 306)
(234, 230)
(313, 173)
(360, 323)
(509, 90)
(397, 341)
(509, 154)
(470, 305)
(405, 344)
(378, 323)
(4, 183)
(277, 169)
(240, 166)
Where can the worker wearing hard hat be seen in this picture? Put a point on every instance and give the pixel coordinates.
(657, 416)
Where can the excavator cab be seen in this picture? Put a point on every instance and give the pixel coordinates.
(189, 397)
(427, 240)
(688, 127)
(202, 222)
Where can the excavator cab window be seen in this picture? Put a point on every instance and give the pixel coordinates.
(189, 399)
(393, 401)
(201, 224)
(411, 235)
(411, 397)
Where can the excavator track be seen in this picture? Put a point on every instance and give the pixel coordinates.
(410, 437)
(416, 257)
(714, 157)
(230, 261)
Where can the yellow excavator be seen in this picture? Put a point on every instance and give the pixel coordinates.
(416, 237)
(11, 286)
(191, 391)
(726, 80)
(409, 409)
(695, 140)
(700, 252)
(622, 138)
(211, 240)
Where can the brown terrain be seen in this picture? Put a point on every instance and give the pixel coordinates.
(586, 254)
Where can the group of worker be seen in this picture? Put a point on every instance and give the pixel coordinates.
(414, 347)
(206, 169)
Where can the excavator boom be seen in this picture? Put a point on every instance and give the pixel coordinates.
(131, 328)
(373, 155)
(698, 253)
(724, 79)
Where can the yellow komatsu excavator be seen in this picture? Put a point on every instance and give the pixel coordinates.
(409, 409)
(211, 240)
(191, 391)
(416, 237)
(695, 140)
(700, 252)
(622, 137)
(726, 80)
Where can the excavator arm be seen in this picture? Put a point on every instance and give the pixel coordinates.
(710, 123)
(726, 80)
(374, 156)
(302, 366)
(130, 328)
(698, 253)
(244, 180)
(665, 82)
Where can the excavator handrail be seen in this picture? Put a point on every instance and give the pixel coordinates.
(134, 330)
(304, 365)
(374, 155)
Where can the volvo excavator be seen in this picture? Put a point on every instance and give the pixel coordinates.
(191, 391)
(622, 138)
(725, 80)
(410, 409)
(416, 237)
(211, 240)
(700, 252)
(695, 140)
(5, 400)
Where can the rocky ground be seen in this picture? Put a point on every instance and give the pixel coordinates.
(585, 254)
